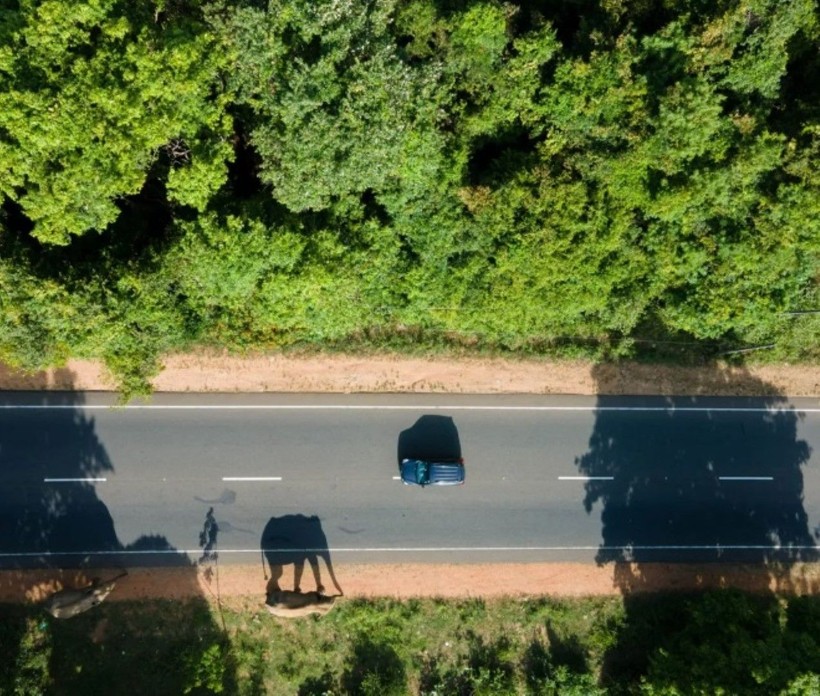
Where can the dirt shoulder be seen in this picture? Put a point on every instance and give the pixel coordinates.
(213, 372)
(404, 581)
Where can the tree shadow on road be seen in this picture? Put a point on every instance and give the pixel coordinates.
(56, 532)
(51, 516)
(692, 497)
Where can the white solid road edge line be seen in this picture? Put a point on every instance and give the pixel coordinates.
(396, 407)
(251, 478)
(426, 549)
(720, 478)
(73, 480)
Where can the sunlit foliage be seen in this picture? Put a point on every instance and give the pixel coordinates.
(590, 177)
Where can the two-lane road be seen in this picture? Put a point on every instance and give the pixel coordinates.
(548, 478)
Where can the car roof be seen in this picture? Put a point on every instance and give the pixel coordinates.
(432, 473)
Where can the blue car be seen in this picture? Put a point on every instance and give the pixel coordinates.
(417, 472)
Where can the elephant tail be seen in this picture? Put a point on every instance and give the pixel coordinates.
(326, 556)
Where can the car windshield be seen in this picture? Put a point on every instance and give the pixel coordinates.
(422, 472)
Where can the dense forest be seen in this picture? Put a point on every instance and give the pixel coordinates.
(582, 177)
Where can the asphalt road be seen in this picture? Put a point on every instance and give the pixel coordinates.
(185, 477)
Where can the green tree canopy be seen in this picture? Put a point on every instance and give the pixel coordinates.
(588, 177)
(91, 94)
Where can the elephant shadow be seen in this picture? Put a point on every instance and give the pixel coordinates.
(292, 540)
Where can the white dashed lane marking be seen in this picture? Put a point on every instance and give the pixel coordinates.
(251, 478)
(746, 478)
(586, 478)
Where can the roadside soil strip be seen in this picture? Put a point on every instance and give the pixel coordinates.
(404, 581)
(214, 372)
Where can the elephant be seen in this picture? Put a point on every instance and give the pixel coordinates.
(67, 603)
(294, 539)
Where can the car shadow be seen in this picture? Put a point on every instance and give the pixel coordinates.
(430, 437)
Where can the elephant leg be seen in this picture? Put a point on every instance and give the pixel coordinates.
(326, 557)
(276, 571)
(298, 569)
(314, 567)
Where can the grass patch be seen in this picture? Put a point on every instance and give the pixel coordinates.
(386, 647)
